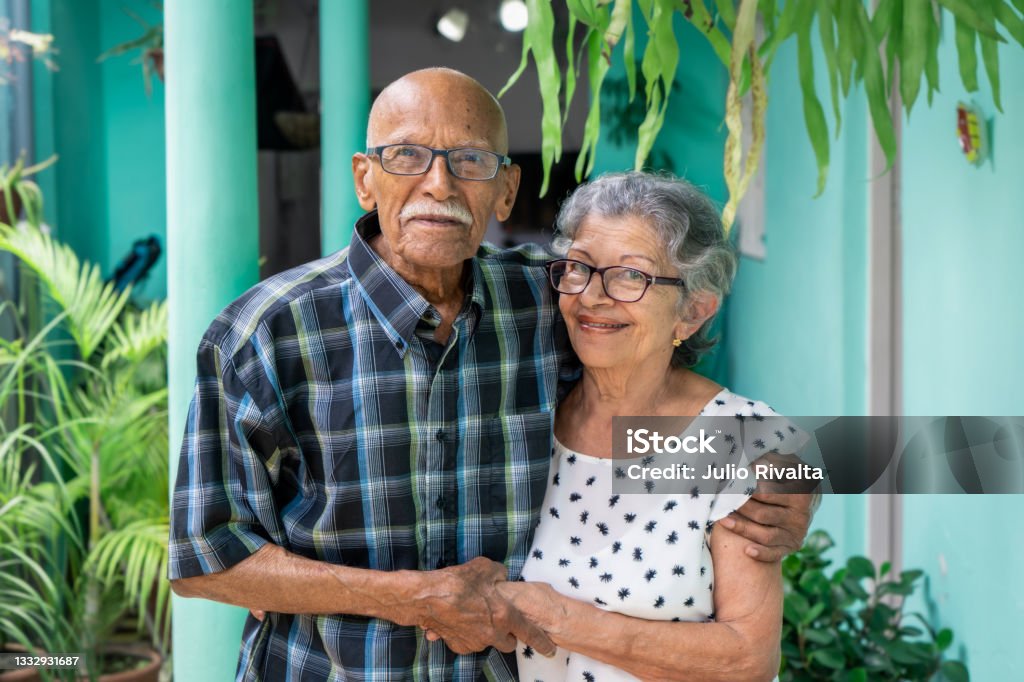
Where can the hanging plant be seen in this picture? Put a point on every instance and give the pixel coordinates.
(860, 49)
(150, 46)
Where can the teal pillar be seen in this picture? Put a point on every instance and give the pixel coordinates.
(344, 107)
(212, 243)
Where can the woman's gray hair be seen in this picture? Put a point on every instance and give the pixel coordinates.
(687, 223)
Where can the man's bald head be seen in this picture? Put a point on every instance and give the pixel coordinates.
(410, 92)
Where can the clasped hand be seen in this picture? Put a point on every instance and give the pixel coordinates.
(466, 608)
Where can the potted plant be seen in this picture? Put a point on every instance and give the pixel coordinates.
(86, 432)
(850, 624)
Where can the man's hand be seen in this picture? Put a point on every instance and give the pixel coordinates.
(462, 605)
(776, 523)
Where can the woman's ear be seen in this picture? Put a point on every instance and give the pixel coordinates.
(699, 308)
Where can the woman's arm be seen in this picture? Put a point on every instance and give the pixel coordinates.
(742, 643)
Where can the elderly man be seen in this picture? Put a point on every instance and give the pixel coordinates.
(368, 443)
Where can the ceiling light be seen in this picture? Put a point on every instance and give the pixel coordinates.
(514, 15)
(453, 24)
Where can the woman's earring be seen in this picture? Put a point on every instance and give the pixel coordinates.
(676, 343)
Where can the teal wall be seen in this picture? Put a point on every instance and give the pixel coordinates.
(796, 328)
(108, 188)
(133, 138)
(963, 328)
(43, 119)
(79, 208)
(798, 320)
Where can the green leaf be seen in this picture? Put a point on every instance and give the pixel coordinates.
(1009, 19)
(584, 11)
(943, 639)
(931, 65)
(907, 653)
(794, 607)
(892, 45)
(955, 671)
(828, 46)
(661, 59)
(822, 637)
(818, 542)
(785, 28)
(830, 658)
(990, 58)
(621, 16)
(727, 12)
(814, 582)
(977, 15)
(570, 68)
(968, 55)
(860, 567)
(881, 20)
(849, 33)
(857, 675)
(874, 87)
(629, 57)
(917, 14)
(702, 21)
(768, 12)
(812, 613)
(900, 589)
(538, 38)
(910, 576)
(91, 305)
(597, 68)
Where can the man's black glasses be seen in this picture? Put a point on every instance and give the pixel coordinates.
(467, 163)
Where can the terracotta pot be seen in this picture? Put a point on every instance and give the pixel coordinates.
(148, 673)
(6, 219)
(25, 675)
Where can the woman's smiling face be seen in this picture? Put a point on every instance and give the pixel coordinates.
(606, 333)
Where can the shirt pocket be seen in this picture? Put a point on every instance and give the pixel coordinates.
(516, 457)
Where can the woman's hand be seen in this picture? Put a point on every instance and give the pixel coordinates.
(538, 602)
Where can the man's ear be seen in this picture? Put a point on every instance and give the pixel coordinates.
(699, 307)
(510, 187)
(363, 176)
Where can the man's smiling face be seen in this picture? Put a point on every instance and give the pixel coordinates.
(434, 221)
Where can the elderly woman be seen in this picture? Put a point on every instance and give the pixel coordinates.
(642, 585)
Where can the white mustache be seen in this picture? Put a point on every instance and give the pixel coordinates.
(452, 210)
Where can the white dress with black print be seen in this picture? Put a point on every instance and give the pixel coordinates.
(643, 555)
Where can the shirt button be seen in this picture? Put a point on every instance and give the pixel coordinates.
(440, 435)
(441, 502)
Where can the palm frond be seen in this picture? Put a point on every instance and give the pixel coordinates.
(138, 334)
(137, 555)
(91, 305)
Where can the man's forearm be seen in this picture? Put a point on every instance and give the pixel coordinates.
(275, 580)
(459, 603)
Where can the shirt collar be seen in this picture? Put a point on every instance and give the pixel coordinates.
(396, 305)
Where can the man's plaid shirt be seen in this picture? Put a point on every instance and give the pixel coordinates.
(326, 420)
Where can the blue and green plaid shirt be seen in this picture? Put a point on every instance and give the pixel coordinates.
(328, 421)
